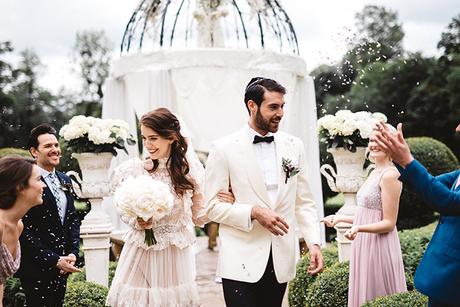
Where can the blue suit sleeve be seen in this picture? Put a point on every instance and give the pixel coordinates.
(434, 190)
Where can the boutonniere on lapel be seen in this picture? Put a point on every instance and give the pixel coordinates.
(289, 169)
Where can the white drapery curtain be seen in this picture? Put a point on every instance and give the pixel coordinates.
(205, 87)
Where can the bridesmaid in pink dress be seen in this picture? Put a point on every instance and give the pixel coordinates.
(376, 265)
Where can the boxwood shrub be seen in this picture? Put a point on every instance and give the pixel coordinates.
(405, 299)
(330, 288)
(298, 287)
(413, 245)
(81, 276)
(81, 294)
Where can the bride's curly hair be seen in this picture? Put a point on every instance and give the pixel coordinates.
(166, 124)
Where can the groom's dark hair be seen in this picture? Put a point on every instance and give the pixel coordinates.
(257, 87)
(37, 131)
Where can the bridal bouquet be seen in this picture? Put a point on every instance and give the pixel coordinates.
(145, 198)
(347, 129)
(90, 134)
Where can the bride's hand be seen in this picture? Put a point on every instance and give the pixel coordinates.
(226, 197)
(144, 224)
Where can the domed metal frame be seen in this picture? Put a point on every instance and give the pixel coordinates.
(256, 24)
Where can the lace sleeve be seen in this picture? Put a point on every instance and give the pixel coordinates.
(197, 175)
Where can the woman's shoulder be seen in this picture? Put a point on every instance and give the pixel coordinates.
(390, 175)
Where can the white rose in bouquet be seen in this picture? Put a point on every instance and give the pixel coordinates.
(145, 198)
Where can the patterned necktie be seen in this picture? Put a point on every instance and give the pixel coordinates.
(56, 193)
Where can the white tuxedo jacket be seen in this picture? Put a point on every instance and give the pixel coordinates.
(245, 244)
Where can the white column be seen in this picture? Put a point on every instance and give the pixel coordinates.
(95, 231)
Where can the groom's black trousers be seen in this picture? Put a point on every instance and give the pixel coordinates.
(267, 292)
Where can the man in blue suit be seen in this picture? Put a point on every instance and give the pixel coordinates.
(438, 274)
(51, 237)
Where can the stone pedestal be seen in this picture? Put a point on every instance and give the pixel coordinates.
(348, 179)
(96, 226)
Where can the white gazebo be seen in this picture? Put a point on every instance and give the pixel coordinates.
(195, 57)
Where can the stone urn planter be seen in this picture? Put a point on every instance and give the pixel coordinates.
(348, 178)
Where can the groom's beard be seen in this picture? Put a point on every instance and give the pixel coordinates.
(267, 125)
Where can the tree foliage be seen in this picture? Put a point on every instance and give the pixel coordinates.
(92, 53)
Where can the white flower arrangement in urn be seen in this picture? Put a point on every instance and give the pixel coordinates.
(346, 135)
(347, 129)
(96, 135)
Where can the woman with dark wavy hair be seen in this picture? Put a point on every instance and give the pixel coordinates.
(21, 188)
(162, 274)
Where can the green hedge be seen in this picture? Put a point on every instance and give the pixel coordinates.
(14, 151)
(330, 289)
(298, 287)
(14, 296)
(81, 276)
(85, 294)
(13, 293)
(413, 245)
(331, 206)
(405, 299)
(438, 159)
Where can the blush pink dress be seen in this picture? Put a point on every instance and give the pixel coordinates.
(376, 265)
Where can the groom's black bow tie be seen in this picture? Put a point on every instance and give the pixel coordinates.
(260, 139)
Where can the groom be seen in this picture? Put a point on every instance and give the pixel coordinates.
(267, 172)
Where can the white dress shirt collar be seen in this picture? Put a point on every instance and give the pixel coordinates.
(44, 173)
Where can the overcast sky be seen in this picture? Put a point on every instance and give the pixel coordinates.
(323, 27)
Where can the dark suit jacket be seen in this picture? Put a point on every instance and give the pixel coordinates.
(45, 238)
(438, 274)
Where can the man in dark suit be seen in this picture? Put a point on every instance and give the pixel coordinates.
(438, 274)
(51, 236)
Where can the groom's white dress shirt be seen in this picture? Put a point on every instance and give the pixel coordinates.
(266, 158)
(256, 176)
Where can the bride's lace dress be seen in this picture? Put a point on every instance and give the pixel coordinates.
(162, 274)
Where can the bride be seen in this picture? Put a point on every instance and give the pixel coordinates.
(162, 274)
